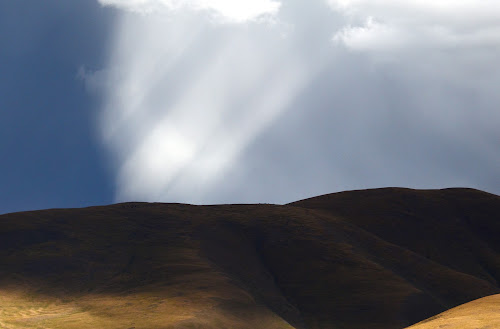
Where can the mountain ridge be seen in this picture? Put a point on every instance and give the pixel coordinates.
(322, 262)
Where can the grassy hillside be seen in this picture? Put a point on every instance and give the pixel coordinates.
(372, 259)
(483, 313)
(457, 228)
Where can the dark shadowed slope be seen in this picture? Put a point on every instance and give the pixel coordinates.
(458, 228)
(372, 259)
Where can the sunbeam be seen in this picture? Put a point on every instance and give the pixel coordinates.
(198, 93)
(175, 134)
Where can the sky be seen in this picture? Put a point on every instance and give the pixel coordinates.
(263, 101)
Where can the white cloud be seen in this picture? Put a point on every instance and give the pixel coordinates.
(388, 25)
(231, 10)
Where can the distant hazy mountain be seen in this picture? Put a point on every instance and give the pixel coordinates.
(373, 259)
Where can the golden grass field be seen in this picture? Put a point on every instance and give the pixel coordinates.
(482, 313)
(153, 308)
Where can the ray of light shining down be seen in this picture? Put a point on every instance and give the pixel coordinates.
(174, 134)
(209, 101)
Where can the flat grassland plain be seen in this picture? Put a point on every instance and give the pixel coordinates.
(383, 258)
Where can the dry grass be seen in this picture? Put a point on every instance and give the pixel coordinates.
(157, 308)
(483, 313)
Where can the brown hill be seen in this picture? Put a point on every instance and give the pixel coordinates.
(384, 258)
(483, 313)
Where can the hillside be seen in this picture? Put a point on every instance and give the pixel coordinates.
(384, 258)
(482, 313)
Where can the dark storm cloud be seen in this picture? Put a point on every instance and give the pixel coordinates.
(49, 155)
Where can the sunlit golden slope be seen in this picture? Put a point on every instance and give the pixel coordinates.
(161, 308)
(483, 313)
